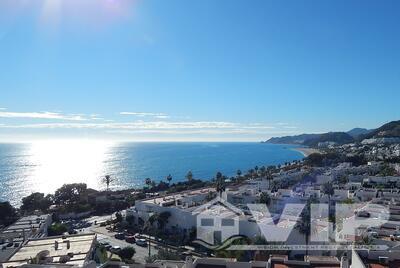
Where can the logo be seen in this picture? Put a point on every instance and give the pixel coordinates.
(298, 227)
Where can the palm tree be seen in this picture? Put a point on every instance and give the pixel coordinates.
(162, 219)
(262, 171)
(147, 181)
(148, 227)
(304, 225)
(169, 178)
(220, 183)
(107, 180)
(327, 188)
(269, 179)
(256, 171)
(239, 173)
(250, 173)
(189, 176)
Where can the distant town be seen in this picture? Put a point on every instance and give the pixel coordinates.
(194, 223)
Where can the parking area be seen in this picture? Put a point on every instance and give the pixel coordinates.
(107, 237)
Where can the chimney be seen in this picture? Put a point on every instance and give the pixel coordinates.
(68, 244)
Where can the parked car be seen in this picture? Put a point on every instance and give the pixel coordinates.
(141, 242)
(119, 236)
(115, 249)
(130, 239)
(104, 243)
(138, 236)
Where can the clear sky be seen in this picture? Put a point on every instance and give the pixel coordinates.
(196, 70)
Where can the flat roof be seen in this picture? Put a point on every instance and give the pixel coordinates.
(80, 247)
(25, 223)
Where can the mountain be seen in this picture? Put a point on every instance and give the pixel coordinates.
(389, 130)
(356, 132)
(334, 137)
(298, 139)
(313, 139)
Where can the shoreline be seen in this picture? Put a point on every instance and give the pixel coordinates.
(306, 151)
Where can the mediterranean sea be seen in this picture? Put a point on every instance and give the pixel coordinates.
(45, 166)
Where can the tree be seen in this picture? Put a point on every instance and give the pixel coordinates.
(37, 201)
(269, 179)
(239, 173)
(8, 214)
(147, 181)
(71, 194)
(250, 173)
(304, 226)
(165, 254)
(127, 253)
(189, 176)
(169, 178)
(107, 180)
(327, 188)
(130, 219)
(262, 171)
(265, 198)
(220, 183)
(57, 229)
(162, 219)
(118, 217)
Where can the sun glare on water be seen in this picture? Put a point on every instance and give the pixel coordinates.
(68, 161)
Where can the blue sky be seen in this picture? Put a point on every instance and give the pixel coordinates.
(196, 70)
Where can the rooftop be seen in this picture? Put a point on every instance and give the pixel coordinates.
(57, 249)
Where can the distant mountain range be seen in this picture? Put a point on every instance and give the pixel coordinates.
(389, 130)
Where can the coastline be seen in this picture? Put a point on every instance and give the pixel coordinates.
(306, 151)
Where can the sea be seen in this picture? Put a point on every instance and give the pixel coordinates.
(44, 166)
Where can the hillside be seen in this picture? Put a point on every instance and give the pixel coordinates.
(298, 139)
(389, 130)
(313, 139)
(357, 132)
(336, 137)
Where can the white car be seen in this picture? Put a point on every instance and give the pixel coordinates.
(141, 242)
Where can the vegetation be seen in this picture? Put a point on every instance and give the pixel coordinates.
(389, 130)
(219, 183)
(8, 214)
(127, 253)
(387, 171)
(323, 160)
(336, 137)
(265, 198)
(37, 201)
(189, 176)
(57, 229)
(107, 180)
(164, 254)
(71, 196)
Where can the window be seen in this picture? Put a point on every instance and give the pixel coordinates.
(207, 222)
(228, 222)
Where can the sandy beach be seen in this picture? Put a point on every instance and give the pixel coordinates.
(306, 151)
